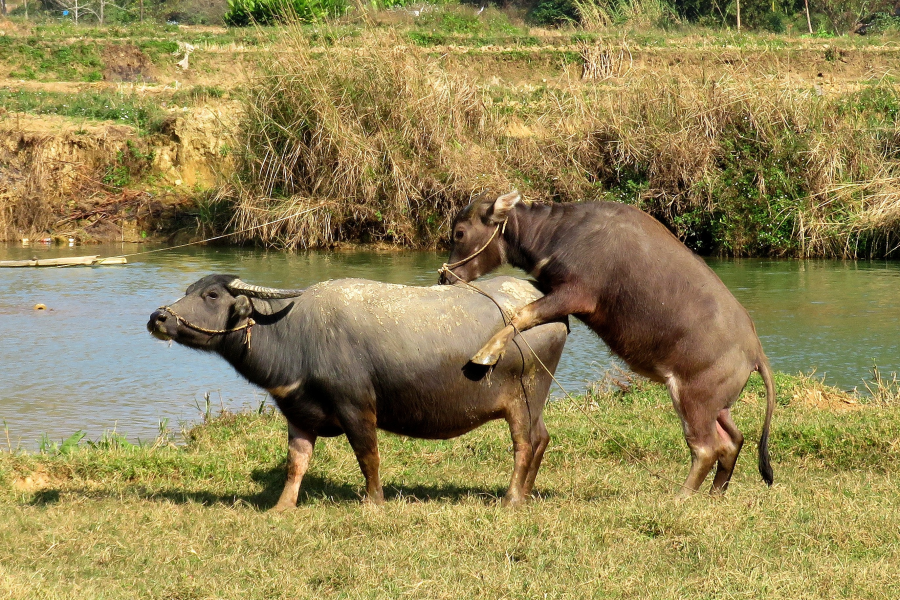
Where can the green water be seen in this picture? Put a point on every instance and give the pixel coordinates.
(88, 362)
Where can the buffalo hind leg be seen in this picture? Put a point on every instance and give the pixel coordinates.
(540, 439)
(700, 433)
(703, 457)
(523, 454)
(552, 307)
(361, 433)
(732, 440)
(300, 449)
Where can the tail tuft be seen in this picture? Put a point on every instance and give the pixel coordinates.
(765, 467)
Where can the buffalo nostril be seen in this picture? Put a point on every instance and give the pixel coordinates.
(158, 317)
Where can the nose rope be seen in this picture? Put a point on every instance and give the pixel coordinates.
(248, 326)
(445, 268)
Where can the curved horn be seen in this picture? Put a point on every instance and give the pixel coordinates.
(256, 291)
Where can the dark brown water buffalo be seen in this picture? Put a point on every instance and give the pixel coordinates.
(654, 302)
(350, 356)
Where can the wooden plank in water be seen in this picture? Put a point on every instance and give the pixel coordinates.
(112, 260)
(69, 261)
(50, 262)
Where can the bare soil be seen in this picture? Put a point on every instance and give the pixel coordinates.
(126, 62)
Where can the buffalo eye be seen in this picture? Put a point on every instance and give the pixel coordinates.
(212, 295)
(458, 235)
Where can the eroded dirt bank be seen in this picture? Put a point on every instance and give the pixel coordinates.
(61, 177)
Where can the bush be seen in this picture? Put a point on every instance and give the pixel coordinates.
(266, 12)
(553, 12)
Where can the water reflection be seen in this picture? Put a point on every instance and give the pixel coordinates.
(88, 363)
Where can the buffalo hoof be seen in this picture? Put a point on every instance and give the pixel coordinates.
(487, 357)
(282, 507)
(515, 502)
(374, 498)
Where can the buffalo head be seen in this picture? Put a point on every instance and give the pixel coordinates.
(477, 245)
(214, 306)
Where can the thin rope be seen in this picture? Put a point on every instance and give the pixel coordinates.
(641, 462)
(248, 326)
(224, 235)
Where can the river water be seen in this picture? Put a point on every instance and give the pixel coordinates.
(88, 363)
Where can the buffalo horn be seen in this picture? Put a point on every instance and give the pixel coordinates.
(256, 291)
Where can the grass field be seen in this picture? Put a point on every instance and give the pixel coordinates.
(107, 520)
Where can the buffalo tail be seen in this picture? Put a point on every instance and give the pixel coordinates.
(765, 467)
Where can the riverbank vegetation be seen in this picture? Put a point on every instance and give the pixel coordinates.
(110, 519)
(376, 126)
(387, 139)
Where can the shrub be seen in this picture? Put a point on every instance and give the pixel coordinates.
(553, 12)
(266, 12)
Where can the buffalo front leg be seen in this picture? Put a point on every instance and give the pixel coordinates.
(300, 449)
(552, 307)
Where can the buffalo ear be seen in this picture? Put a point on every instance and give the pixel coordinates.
(502, 205)
(242, 307)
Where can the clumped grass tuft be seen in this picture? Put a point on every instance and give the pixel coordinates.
(349, 132)
(188, 521)
(884, 389)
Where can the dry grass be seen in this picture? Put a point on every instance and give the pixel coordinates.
(189, 522)
(884, 390)
(350, 129)
(391, 140)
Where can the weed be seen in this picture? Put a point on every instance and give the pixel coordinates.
(66, 446)
(197, 94)
(111, 440)
(885, 391)
(130, 163)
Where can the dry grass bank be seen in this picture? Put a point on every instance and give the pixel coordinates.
(384, 141)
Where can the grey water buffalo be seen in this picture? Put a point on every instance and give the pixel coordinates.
(349, 356)
(655, 303)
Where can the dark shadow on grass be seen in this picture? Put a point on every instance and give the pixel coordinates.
(45, 498)
(317, 488)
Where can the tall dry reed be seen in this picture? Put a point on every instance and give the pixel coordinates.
(380, 138)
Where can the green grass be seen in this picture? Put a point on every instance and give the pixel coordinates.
(150, 31)
(127, 109)
(35, 58)
(161, 521)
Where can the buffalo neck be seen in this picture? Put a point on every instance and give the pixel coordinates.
(529, 235)
(267, 358)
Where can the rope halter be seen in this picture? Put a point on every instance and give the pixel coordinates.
(246, 327)
(445, 268)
